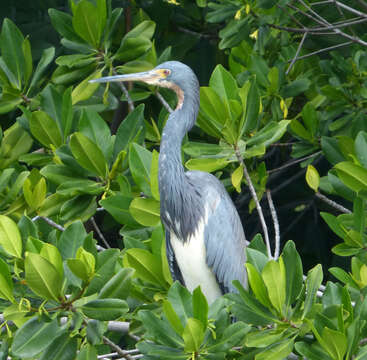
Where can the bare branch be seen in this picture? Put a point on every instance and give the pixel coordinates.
(276, 224)
(164, 102)
(254, 196)
(348, 8)
(297, 53)
(49, 222)
(291, 163)
(332, 203)
(99, 232)
(115, 347)
(130, 103)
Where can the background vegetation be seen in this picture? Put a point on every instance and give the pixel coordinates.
(282, 123)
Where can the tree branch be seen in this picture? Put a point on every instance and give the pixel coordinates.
(276, 224)
(254, 196)
(332, 203)
(115, 347)
(164, 102)
(99, 232)
(297, 53)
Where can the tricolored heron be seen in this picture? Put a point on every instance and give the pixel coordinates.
(205, 241)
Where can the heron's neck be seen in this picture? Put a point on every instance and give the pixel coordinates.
(174, 188)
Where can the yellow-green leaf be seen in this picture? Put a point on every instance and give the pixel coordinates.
(236, 178)
(312, 177)
(10, 238)
(145, 211)
(85, 89)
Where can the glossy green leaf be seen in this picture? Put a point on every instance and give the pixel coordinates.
(154, 187)
(27, 53)
(274, 278)
(264, 338)
(314, 351)
(118, 286)
(257, 285)
(277, 352)
(132, 48)
(252, 109)
(6, 283)
(44, 129)
(293, 272)
(200, 307)
(207, 164)
(63, 347)
(223, 83)
(145, 211)
(52, 254)
(10, 238)
(88, 23)
(236, 178)
(79, 269)
(336, 343)
(33, 337)
(87, 352)
(193, 335)
(312, 178)
(11, 40)
(310, 119)
(105, 309)
(85, 89)
(145, 29)
(42, 276)
(313, 282)
(181, 300)
(118, 206)
(147, 266)
(172, 317)
(140, 160)
(88, 155)
(352, 175)
(360, 146)
(131, 129)
(295, 88)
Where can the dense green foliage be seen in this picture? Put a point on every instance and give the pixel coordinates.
(75, 158)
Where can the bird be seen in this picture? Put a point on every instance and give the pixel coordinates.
(205, 240)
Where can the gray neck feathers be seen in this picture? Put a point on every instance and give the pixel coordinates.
(180, 203)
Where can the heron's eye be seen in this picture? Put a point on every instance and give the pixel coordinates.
(166, 72)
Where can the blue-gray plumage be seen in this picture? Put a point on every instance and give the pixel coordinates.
(204, 236)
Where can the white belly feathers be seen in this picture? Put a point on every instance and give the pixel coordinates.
(191, 259)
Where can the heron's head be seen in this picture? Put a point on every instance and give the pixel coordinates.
(170, 74)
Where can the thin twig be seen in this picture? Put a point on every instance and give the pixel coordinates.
(99, 232)
(297, 53)
(164, 102)
(276, 224)
(324, 50)
(254, 196)
(49, 222)
(291, 163)
(354, 11)
(130, 103)
(332, 203)
(115, 347)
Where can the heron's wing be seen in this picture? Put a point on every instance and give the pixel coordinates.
(172, 263)
(225, 241)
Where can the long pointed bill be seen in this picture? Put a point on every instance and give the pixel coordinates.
(149, 77)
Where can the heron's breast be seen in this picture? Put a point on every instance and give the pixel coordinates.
(191, 259)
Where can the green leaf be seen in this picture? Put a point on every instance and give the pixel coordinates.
(28, 68)
(331, 150)
(312, 178)
(257, 285)
(131, 129)
(293, 272)
(52, 254)
(264, 338)
(140, 160)
(46, 58)
(132, 48)
(6, 283)
(200, 306)
(207, 164)
(154, 175)
(63, 347)
(312, 352)
(277, 352)
(360, 146)
(33, 337)
(336, 343)
(295, 88)
(96, 129)
(236, 178)
(118, 286)
(79, 269)
(181, 300)
(145, 29)
(118, 206)
(193, 335)
(269, 134)
(10, 238)
(87, 352)
(88, 155)
(11, 41)
(88, 23)
(313, 282)
(105, 309)
(95, 331)
(147, 266)
(309, 117)
(252, 109)
(172, 317)
(44, 129)
(274, 278)
(42, 276)
(224, 84)
(352, 175)
(145, 211)
(85, 89)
